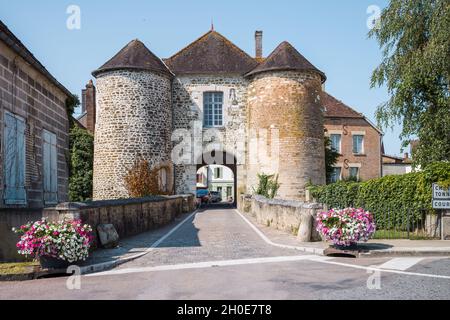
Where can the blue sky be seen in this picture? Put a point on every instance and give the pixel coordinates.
(331, 34)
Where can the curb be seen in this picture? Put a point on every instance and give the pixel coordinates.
(405, 253)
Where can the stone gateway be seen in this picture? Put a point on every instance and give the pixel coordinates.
(141, 101)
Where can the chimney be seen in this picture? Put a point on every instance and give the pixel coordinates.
(88, 106)
(406, 156)
(258, 44)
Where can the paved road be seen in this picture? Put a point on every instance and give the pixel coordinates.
(216, 255)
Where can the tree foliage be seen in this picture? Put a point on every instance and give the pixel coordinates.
(415, 42)
(142, 180)
(81, 164)
(331, 158)
(396, 193)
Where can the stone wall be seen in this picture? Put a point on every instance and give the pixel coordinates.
(27, 93)
(290, 103)
(134, 122)
(290, 216)
(129, 217)
(187, 98)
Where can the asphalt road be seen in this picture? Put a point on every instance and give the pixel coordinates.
(217, 255)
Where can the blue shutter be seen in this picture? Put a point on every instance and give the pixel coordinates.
(14, 163)
(50, 168)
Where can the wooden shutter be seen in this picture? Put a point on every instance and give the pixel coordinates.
(14, 161)
(50, 168)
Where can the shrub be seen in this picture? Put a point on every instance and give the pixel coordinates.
(268, 186)
(143, 181)
(81, 164)
(393, 194)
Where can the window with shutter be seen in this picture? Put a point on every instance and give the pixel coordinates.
(14, 159)
(50, 167)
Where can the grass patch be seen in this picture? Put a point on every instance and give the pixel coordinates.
(17, 267)
(397, 234)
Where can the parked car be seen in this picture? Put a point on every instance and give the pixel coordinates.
(216, 196)
(204, 195)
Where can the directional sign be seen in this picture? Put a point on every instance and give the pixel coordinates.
(440, 193)
(441, 204)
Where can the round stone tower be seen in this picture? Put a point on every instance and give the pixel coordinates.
(284, 102)
(134, 118)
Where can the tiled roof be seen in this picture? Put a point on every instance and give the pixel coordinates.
(135, 55)
(336, 108)
(211, 54)
(286, 57)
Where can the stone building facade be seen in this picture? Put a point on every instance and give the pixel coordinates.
(34, 129)
(205, 105)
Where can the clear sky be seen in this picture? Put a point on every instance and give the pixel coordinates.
(331, 34)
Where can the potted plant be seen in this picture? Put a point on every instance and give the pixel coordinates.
(55, 244)
(345, 228)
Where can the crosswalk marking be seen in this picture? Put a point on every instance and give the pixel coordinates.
(401, 264)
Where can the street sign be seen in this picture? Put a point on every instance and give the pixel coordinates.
(440, 193)
(441, 197)
(441, 204)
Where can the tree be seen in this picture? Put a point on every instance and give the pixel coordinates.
(415, 42)
(142, 180)
(81, 164)
(331, 158)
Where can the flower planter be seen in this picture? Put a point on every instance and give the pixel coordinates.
(68, 239)
(53, 263)
(345, 228)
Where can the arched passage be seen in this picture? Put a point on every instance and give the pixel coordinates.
(215, 160)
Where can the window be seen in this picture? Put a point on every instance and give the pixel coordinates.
(229, 192)
(50, 167)
(213, 109)
(336, 175)
(354, 173)
(219, 189)
(358, 144)
(14, 159)
(218, 173)
(336, 142)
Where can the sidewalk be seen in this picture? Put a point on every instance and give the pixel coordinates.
(373, 248)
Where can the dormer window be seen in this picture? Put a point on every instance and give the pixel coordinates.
(213, 109)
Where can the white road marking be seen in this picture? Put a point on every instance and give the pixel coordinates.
(268, 241)
(210, 264)
(426, 275)
(401, 264)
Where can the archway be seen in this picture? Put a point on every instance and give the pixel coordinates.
(217, 177)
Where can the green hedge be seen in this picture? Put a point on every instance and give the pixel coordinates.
(391, 195)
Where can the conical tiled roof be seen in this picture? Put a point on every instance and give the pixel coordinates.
(211, 54)
(286, 57)
(135, 55)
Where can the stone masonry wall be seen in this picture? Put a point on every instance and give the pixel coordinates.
(187, 97)
(290, 102)
(134, 121)
(27, 93)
